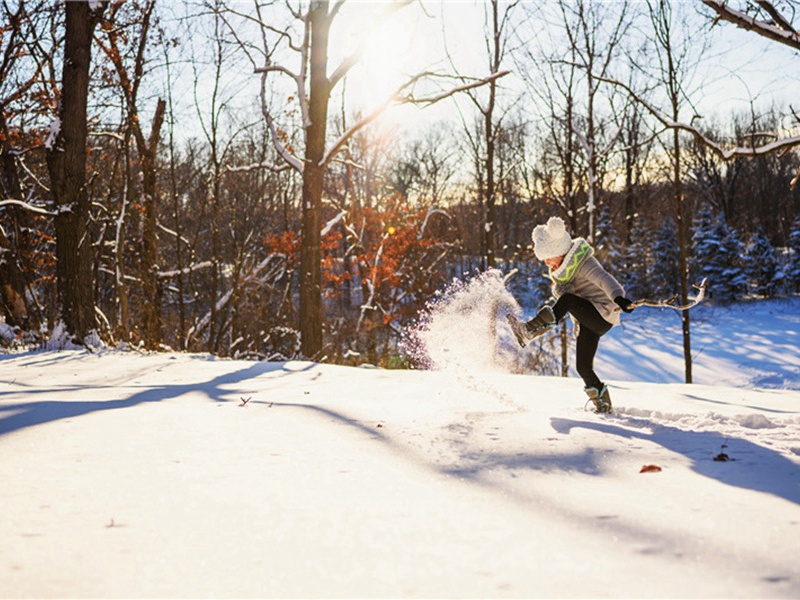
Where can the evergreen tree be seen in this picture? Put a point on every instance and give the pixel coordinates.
(793, 267)
(608, 245)
(717, 254)
(762, 264)
(636, 275)
(703, 247)
(665, 274)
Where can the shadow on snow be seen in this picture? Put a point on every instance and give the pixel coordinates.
(752, 466)
(15, 417)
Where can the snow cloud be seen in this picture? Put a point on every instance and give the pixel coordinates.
(458, 330)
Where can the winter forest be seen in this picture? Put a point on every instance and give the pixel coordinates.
(274, 180)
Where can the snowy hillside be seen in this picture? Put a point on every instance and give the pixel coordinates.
(133, 475)
(747, 344)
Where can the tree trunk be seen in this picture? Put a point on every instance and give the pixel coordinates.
(680, 209)
(66, 161)
(12, 276)
(313, 175)
(489, 130)
(150, 288)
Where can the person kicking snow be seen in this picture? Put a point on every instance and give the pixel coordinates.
(581, 288)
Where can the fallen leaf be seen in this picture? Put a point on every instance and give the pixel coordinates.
(650, 469)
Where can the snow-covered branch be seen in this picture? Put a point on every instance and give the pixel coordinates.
(777, 29)
(277, 263)
(369, 304)
(431, 212)
(330, 224)
(719, 150)
(185, 271)
(26, 206)
(399, 97)
(282, 150)
(255, 166)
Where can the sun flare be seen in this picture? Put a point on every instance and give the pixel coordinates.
(390, 51)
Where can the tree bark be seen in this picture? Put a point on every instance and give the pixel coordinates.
(150, 288)
(12, 276)
(313, 175)
(491, 137)
(66, 162)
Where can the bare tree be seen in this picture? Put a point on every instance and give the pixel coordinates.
(66, 159)
(497, 23)
(313, 86)
(130, 80)
(24, 65)
(676, 61)
(594, 31)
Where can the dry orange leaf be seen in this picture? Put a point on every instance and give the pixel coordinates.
(650, 469)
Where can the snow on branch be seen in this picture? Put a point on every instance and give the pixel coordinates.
(255, 166)
(431, 212)
(276, 262)
(777, 29)
(398, 97)
(723, 153)
(330, 224)
(186, 271)
(26, 206)
(283, 151)
(370, 283)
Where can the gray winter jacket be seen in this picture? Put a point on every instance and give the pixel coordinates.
(581, 274)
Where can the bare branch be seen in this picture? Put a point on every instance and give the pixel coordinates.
(724, 154)
(428, 100)
(283, 151)
(255, 166)
(398, 98)
(350, 61)
(26, 206)
(788, 37)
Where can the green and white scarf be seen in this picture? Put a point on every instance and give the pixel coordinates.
(577, 255)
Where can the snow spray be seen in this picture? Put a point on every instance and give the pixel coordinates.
(459, 329)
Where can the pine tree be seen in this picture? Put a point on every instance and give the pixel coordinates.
(762, 265)
(607, 243)
(717, 254)
(636, 275)
(665, 275)
(793, 268)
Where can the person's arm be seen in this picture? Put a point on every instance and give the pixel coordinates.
(603, 279)
(610, 286)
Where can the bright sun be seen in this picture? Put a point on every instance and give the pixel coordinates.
(390, 52)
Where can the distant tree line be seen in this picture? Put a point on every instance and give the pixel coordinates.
(166, 191)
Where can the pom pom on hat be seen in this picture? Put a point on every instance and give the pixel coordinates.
(551, 240)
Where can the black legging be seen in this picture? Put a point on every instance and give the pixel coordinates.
(592, 326)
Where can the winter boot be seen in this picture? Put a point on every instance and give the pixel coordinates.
(600, 398)
(544, 320)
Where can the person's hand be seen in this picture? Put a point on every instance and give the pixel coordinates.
(624, 304)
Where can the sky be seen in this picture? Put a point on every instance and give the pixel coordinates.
(737, 69)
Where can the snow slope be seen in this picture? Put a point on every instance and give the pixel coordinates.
(747, 344)
(130, 475)
(144, 476)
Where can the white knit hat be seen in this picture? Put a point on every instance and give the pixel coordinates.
(551, 240)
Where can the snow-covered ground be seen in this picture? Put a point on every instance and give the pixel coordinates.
(129, 475)
(747, 344)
